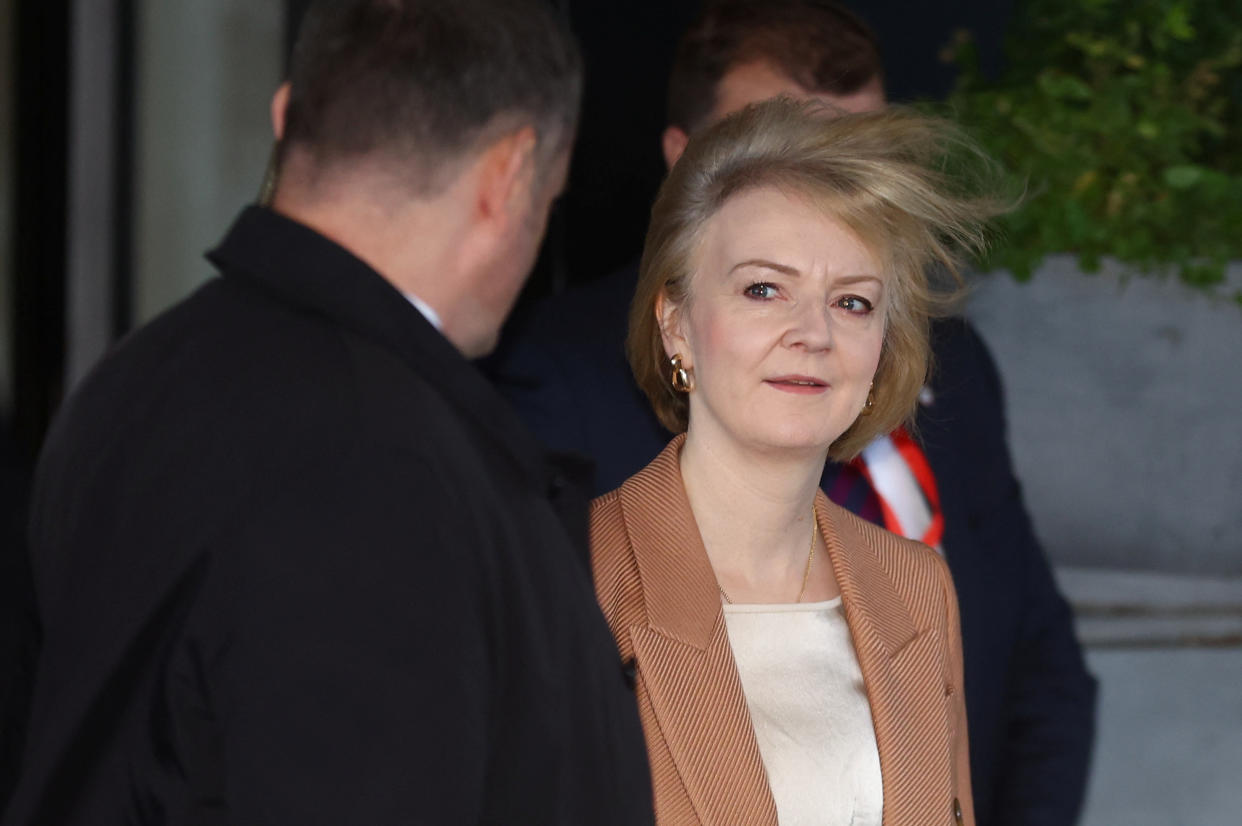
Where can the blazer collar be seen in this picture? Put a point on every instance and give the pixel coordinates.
(302, 268)
(679, 585)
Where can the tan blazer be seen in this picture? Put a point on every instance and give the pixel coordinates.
(659, 593)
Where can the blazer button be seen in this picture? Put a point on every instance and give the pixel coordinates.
(629, 670)
(957, 812)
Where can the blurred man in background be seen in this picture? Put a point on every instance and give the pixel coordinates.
(1030, 700)
(294, 559)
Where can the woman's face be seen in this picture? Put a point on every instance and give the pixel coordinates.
(783, 324)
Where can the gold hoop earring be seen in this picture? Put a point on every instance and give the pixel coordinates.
(682, 379)
(869, 404)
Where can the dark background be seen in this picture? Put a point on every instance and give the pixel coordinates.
(628, 48)
(597, 226)
(599, 223)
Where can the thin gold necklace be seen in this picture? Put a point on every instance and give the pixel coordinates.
(806, 574)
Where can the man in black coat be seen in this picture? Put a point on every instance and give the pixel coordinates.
(18, 627)
(1030, 701)
(295, 561)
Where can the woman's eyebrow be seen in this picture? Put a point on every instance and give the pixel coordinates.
(854, 279)
(763, 262)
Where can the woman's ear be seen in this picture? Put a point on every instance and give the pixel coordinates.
(672, 144)
(672, 330)
(280, 105)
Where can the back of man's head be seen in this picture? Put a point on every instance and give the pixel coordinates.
(415, 85)
(818, 44)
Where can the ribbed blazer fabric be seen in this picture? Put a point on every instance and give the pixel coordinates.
(658, 591)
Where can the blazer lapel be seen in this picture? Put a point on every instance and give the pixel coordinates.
(684, 659)
(901, 669)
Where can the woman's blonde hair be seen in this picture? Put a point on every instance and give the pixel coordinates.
(912, 187)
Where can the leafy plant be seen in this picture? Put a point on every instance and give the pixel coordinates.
(1124, 119)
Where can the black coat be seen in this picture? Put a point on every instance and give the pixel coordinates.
(1029, 699)
(19, 633)
(297, 563)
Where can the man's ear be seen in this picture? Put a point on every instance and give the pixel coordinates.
(669, 316)
(673, 142)
(506, 175)
(280, 103)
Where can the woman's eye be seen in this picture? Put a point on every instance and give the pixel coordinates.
(854, 304)
(762, 290)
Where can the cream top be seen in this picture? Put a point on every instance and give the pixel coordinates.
(810, 712)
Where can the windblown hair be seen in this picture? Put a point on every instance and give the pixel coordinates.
(819, 44)
(913, 189)
(420, 83)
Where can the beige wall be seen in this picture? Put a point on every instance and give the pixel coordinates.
(205, 74)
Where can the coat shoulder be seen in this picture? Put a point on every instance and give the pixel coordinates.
(914, 568)
(617, 585)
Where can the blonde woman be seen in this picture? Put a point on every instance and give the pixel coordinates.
(793, 663)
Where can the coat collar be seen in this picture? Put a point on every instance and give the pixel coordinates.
(302, 268)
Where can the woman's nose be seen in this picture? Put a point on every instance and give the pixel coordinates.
(810, 326)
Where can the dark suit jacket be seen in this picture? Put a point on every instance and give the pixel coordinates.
(658, 590)
(296, 562)
(1030, 699)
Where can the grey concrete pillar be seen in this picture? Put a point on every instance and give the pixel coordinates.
(205, 75)
(1124, 398)
(92, 186)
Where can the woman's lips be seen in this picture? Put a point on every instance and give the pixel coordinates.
(804, 385)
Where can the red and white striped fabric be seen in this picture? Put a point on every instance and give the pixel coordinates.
(903, 481)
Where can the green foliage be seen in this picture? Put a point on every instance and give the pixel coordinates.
(1124, 120)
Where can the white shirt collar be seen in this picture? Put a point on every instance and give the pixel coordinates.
(425, 308)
